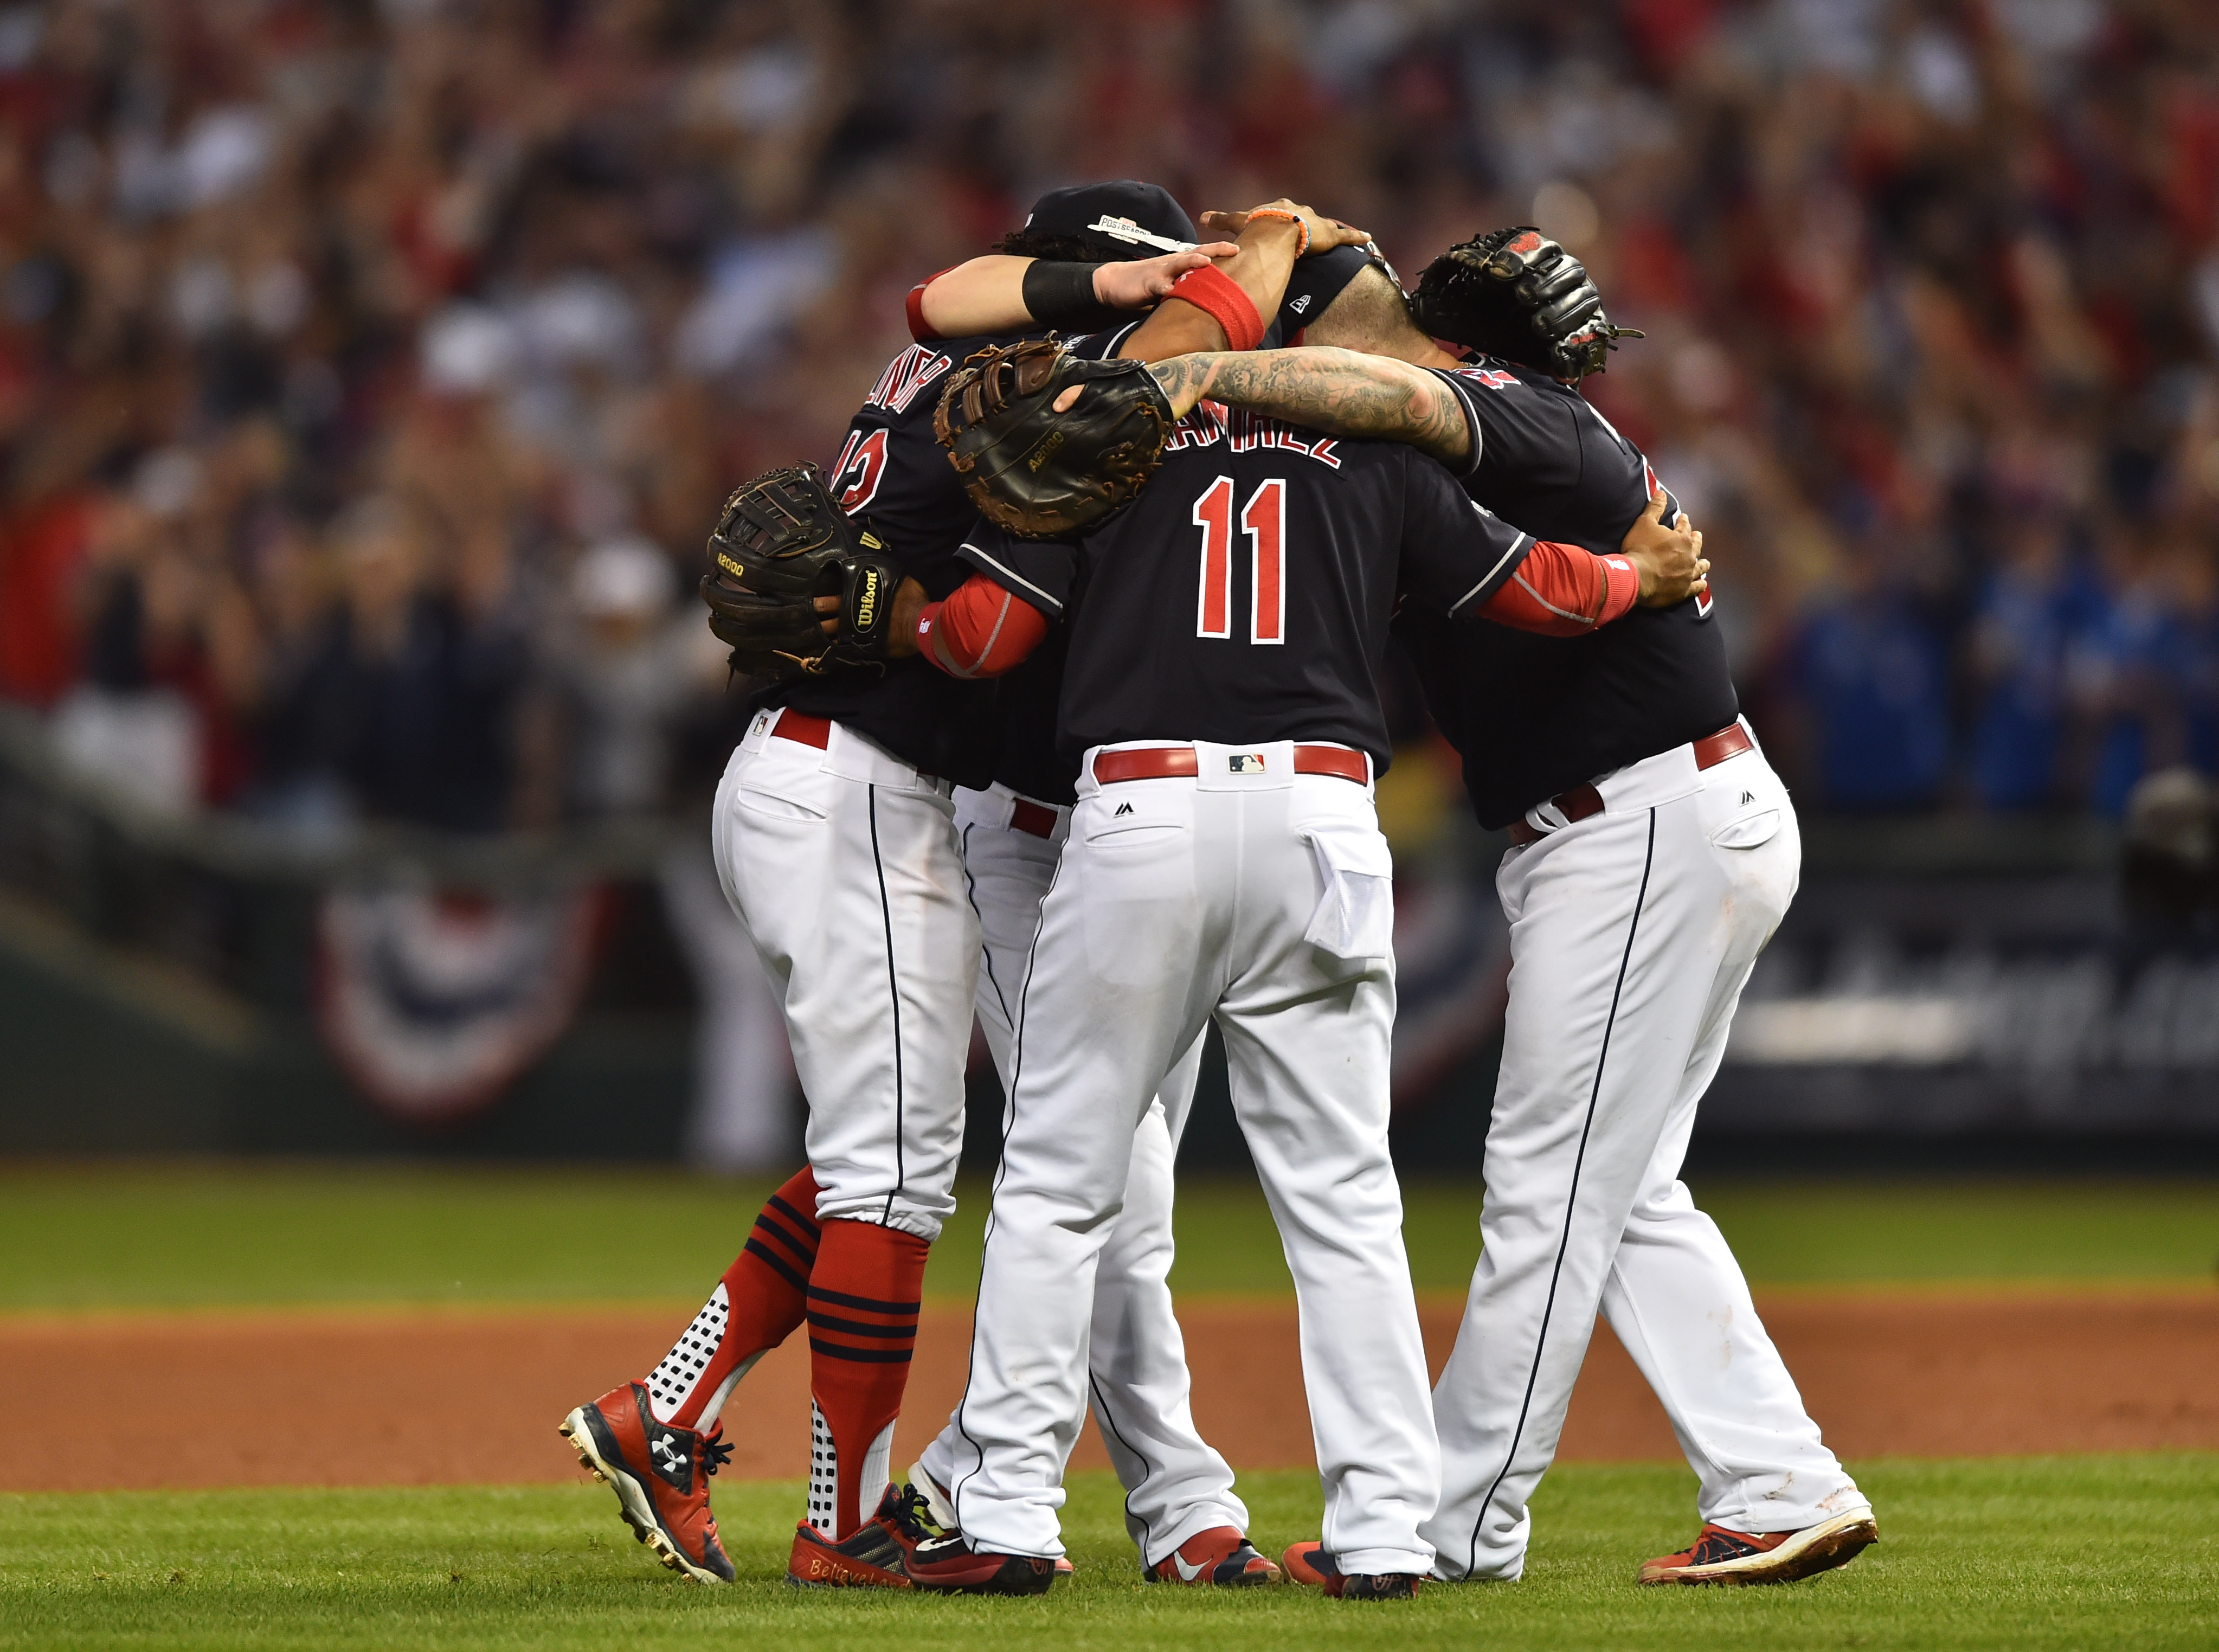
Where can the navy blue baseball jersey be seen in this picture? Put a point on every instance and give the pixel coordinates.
(1245, 595)
(1533, 715)
(893, 472)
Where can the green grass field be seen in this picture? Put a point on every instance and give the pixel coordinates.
(2062, 1553)
(2054, 1553)
(78, 1237)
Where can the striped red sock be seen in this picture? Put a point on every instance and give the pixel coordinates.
(755, 1308)
(863, 1302)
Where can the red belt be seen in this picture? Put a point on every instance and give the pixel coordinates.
(803, 729)
(1037, 818)
(1583, 801)
(1178, 762)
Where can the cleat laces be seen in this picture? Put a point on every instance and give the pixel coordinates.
(911, 1515)
(714, 1453)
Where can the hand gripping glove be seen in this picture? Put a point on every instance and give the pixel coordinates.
(781, 543)
(1516, 294)
(1042, 474)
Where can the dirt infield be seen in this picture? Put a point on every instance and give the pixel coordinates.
(327, 1398)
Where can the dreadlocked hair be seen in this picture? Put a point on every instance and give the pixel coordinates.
(1050, 247)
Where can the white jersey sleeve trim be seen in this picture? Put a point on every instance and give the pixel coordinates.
(1470, 418)
(1517, 547)
(1002, 571)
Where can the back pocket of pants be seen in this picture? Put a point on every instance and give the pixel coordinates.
(1354, 918)
(757, 801)
(1748, 831)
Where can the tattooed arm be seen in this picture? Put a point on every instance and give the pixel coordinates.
(1336, 391)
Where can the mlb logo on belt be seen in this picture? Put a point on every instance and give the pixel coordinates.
(762, 722)
(1246, 762)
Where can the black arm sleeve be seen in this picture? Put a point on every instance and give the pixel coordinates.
(1058, 295)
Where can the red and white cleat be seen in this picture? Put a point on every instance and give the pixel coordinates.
(1719, 1555)
(1307, 1562)
(661, 1473)
(1222, 1556)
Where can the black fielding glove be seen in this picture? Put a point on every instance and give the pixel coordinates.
(782, 542)
(1516, 293)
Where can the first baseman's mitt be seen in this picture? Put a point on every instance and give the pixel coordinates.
(781, 543)
(1516, 294)
(1042, 474)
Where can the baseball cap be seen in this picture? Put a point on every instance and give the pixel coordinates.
(1126, 219)
(1315, 283)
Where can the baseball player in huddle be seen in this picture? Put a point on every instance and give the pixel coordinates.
(1223, 863)
(838, 844)
(1653, 853)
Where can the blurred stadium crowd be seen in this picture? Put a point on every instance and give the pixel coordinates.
(370, 373)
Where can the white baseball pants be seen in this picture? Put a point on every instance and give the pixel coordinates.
(1175, 1484)
(1632, 934)
(1263, 898)
(844, 867)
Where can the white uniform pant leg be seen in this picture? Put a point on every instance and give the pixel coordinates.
(1307, 1042)
(843, 866)
(1112, 996)
(1676, 1299)
(1630, 935)
(1175, 1484)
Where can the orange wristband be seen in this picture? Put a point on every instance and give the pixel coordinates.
(1294, 217)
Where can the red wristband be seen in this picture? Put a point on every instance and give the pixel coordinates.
(1210, 290)
(1625, 588)
(919, 329)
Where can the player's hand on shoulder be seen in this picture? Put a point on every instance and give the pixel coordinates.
(1325, 233)
(1670, 560)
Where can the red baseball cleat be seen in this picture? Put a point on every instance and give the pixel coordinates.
(939, 1513)
(1719, 1555)
(1307, 1562)
(661, 1473)
(951, 1566)
(875, 1556)
(1220, 1555)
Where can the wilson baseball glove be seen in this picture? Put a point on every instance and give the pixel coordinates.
(782, 543)
(1043, 475)
(1516, 294)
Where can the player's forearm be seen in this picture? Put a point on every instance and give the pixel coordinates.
(986, 294)
(1265, 259)
(1336, 391)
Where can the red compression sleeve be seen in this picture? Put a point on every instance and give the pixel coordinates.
(1563, 591)
(1210, 290)
(919, 328)
(982, 630)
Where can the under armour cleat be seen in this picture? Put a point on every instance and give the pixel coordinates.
(1308, 1562)
(875, 1556)
(1719, 1555)
(951, 1566)
(1220, 1555)
(661, 1473)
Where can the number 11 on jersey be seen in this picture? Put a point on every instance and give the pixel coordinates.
(1264, 519)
